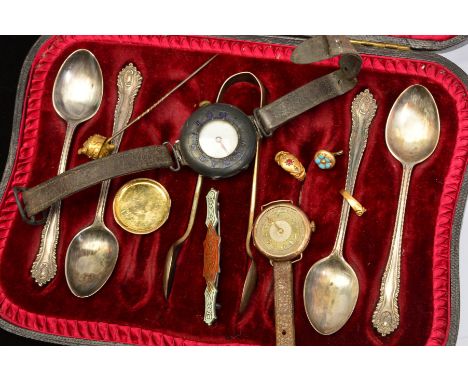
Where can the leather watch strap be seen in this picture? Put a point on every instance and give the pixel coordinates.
(39, 198)
(284, 303)
(319, 48)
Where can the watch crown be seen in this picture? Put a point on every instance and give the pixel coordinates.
(204, 103)
(312, 226)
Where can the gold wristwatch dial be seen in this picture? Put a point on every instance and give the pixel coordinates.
(282, 231)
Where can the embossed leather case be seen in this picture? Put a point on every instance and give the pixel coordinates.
(131, 308)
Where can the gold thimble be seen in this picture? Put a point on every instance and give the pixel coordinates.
(325, 160)
(96, 146)
(355, 205)
(291, 164)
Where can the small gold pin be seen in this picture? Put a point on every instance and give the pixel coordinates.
(325, 160)
(291, 164)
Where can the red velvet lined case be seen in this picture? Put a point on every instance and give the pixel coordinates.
(131, 308)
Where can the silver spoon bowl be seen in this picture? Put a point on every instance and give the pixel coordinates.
(333, 288)
(94, 257)
(413, 126)
(78, 88)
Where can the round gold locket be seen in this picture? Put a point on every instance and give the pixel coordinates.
(141, 206)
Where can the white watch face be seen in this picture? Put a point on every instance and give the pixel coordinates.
(218, 139)
(280, 231)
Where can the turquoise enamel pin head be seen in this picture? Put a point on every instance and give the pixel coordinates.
(325, 160)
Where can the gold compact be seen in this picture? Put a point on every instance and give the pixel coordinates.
(141, 206)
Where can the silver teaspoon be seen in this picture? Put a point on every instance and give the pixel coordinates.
(93, 252)
(412, 133)
(76, 97)
(331, 286)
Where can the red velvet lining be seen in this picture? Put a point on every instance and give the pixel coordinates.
(131, 307)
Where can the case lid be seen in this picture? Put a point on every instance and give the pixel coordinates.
(413, 42)
(399, 42)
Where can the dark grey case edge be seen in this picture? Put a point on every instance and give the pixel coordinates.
(290, 40)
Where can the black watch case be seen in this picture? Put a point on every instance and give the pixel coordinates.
(235, 161)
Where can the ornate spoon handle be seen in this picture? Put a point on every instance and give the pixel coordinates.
(128, 84)
(363, 111)
(44, 267)
(386, 318)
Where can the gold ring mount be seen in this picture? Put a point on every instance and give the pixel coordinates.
(355, 205)
(291, 164)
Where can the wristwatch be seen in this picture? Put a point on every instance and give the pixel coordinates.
(217, 140)
(281, 233)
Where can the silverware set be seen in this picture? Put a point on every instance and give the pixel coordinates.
(331, 287)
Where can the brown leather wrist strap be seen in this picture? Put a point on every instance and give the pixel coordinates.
(324, 88)
(284, 303)
(39, 198)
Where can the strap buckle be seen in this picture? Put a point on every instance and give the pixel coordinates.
(32, 220)
(176, 155)
(295, 260)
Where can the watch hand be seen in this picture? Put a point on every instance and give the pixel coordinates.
(280, 230)
(275, 223)
(220, 141)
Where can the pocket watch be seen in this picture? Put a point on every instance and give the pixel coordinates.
(218, 140)
(281, 233)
